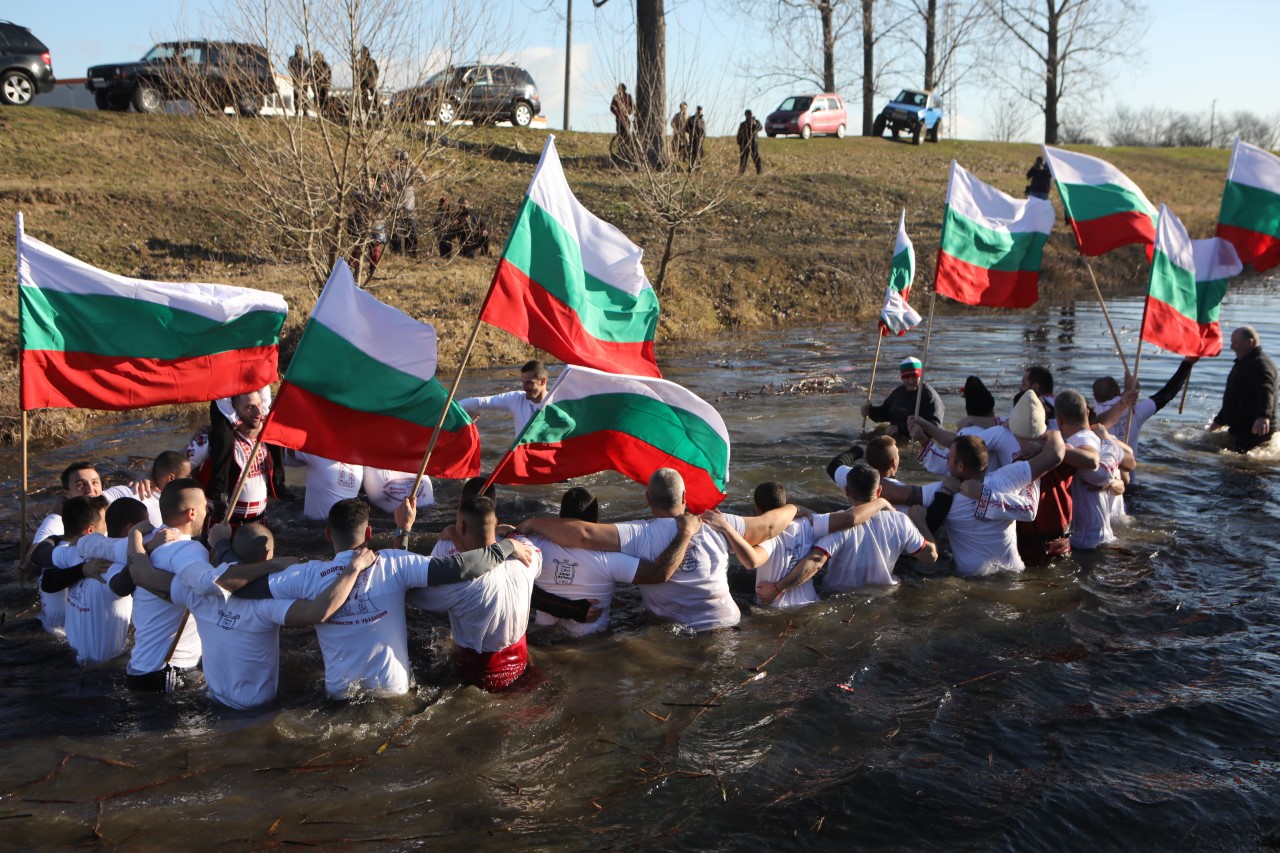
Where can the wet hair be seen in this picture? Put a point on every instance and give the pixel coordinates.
(863, 483)
(168, 462)
(1070, 406)
(172, 499)
(769, 496)
(123, 514)
(666, 489)
(252, 542)
(471, 488)
(348, 520)
(880, 453)
(1105, 389)
(478, 511)
(71, 469)
(580, 504)
(1041, 377)
(80, 512)
(535, 367)
(971, 452)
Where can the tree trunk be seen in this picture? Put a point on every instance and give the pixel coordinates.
(868, 67)
(666, 259)
(828, 47)
(651, 81)
(930, 44)
(1051, 74)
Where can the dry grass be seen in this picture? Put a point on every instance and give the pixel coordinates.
(809, 241)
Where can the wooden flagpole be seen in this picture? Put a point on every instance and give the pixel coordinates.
(244, 471)
(924, 364)
(22, 534)
(872, 384)
(1185, 387)
(1107, 314)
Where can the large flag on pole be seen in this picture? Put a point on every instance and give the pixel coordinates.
(361, 388)
(595, 421)
(1104, 208)
(572, 284)
(1250, 214)
(94, 340)
(897, 317)
(1188, 280)
(991, 244)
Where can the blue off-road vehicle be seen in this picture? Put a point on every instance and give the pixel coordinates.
(916, 111)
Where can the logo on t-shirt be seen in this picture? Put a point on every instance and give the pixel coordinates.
(565, 570)
(227, 620)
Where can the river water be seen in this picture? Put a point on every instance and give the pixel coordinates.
(1124, 699)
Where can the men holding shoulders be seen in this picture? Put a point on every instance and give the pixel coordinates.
(1249, 401)
(521, 405)
(168, 466)
(97, 618)
(58, 561)
(901, 402)
(1090, 509)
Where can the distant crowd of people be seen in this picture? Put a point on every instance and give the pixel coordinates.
(312, 78)
(688, 133)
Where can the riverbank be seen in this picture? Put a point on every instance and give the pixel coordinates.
(808, 241)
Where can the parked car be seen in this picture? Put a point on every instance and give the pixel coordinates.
(479, 92)
(808, 114)
(26, 69)
(210, 75)
(917, 111)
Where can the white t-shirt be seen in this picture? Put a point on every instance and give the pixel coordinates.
(152, 503)
(1002, 446)
(156, 621)
(865, 555)
(365, 644)
(1141, 411)
(240, 637)
(197, 449)
(327, 483)
(513, 402)
(697, 596)
(784, 550)
(490, 613)
(51, 526)
(387, 489)
(53, 605)
(97, 620)
(576, 573)
(1090, 507)
(981, 545)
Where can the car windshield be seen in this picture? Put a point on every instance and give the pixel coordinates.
(795, 104)
(911, 98)
(439, 78)
(160, 51)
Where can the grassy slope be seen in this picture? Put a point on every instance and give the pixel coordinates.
(809, 241)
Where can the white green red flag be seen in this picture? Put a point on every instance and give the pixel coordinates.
(361, 388)
(897, 317)
(1104, 208)
(992, 244)
(571, 283)
(1188, 280)
(91, 339)
(1250, 214)
(596, 421)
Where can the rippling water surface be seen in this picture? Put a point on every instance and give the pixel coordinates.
(1122, 699)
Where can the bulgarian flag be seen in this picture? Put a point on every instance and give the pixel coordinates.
(596, 421)
(991, 244)
(1105, 209)
(571, 284)
(94, 340)
(1250, 214)
(361, 388)
(1188, 280)
(897, 317)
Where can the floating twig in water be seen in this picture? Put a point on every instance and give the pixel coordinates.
(980, 677)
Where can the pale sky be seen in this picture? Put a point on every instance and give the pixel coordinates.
(1194, 53)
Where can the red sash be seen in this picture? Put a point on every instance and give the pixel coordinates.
(493, 671)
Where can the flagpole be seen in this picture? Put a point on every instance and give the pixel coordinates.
(22, 533)
(1186, 386)
(244, 471)
(1106, 314)
(924, 364)
(872, 384)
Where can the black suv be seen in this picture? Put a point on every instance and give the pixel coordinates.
(482, 93)
(209, 74)
(25, 66)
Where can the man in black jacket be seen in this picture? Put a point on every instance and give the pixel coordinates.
(1249, 401)
(229, 449)
(749, 143)
(901, 401)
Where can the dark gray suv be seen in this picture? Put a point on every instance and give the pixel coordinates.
(208, 74)
(482, 93)
(26, 68)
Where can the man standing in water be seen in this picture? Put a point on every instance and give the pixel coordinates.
(901, 402)
(523, 404)
(1249, 401)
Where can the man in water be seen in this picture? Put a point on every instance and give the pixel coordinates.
(901, 402)
(229, 455)
(1115, 415)
(521, 405)
(1249, 402)
(168, 466)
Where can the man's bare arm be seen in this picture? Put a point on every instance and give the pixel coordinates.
(572, 533)
(802, 571)
(1049, 457)
(672, 556)
(768, 524)
(751, 556)
(856, 515)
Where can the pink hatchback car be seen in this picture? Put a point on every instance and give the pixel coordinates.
(808, 114)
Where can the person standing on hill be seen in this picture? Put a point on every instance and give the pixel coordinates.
(1040, 178)
(680, 134)
(623, 107)
(697, 131)
(1249, 402)
(321, 77)
(749, 143)
(299, 73)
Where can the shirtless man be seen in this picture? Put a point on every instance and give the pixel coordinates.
(521, 405)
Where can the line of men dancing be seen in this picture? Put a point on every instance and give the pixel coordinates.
(1013, 491)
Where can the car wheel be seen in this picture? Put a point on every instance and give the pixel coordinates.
(770, 134)
(447, 113)
(146, 99)
(16, 89)
(248, 104)
(915, 134)
(933, 133)
(110, 101)
(522, 115)
(840, 132)
(877, 129)
(806, 132)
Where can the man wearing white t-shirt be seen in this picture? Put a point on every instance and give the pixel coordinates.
(521, 405)
(168, 466)
(97, 618)
(1115, 415)
(1090, 509)
(574, 591)
(59, 563)
(387, 489)
(697, 595)
(79, 479)
(365, 644)
(328, 481)
(865, 554)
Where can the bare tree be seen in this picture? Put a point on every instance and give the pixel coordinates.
(1065, 47)
(947, 29)
(1263, 131)
(806, 38)
(1010, 120)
